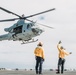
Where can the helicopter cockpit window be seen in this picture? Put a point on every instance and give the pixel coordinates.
(17, 29)
(28, 26)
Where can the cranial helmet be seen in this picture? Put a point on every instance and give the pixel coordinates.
(40, 44)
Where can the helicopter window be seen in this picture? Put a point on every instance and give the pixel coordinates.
(28, 26)
(24, 30)
(18, 29)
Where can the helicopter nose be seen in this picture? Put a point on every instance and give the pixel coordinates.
(37, 31)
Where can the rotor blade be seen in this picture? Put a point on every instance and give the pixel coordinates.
(29, 20)
(45, 25)
(9, 12)
(40, 13)
(9, 20)
(41, 24)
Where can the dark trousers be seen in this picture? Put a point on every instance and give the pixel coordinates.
(61, 65)
(38, 66)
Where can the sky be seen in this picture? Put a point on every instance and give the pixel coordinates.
(63, 19)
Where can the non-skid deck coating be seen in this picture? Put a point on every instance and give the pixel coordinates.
(45, 72)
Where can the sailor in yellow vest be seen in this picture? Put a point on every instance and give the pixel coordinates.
(39, 55)
(62, 54)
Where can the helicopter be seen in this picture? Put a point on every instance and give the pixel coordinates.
(22, 31)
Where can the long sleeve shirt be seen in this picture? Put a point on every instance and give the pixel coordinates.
(62, 52)
(39, 52)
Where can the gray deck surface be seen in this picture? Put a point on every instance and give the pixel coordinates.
(13, 72)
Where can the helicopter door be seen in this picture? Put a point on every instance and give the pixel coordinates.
(17, 30)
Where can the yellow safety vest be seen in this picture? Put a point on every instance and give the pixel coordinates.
(62, 52)
(39, 52)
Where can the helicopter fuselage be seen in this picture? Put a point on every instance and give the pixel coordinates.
(21, 31)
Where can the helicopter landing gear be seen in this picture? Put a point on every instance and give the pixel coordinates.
(26, 42)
